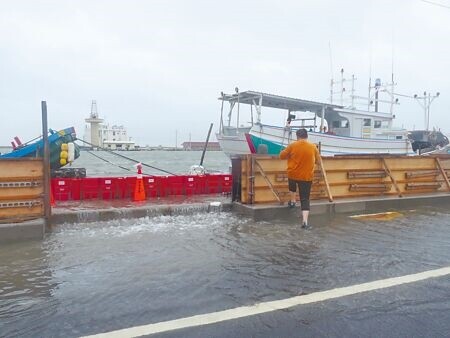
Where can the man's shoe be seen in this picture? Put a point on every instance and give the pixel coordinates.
(305, 226)
(291, 204)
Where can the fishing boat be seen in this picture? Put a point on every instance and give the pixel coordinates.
(337, 129)
(234, 139)
(35, 147)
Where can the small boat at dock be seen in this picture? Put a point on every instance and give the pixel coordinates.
(35, 148)
(338, 130)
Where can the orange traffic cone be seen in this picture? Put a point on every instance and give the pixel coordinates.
(139, 190)
(52, 199)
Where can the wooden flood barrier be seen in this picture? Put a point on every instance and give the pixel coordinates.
(264, 179)
(21, 189)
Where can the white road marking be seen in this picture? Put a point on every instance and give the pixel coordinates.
(245, 311)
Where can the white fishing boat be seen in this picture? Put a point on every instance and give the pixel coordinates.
(233, 139)
(337, 130)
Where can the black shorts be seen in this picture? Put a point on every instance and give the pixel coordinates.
(304, 190)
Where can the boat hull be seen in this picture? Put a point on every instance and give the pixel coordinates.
(36, 149)
(277, 138)
(234, 144)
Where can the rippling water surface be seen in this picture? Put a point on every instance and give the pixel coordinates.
(91, 278)
(177, 162)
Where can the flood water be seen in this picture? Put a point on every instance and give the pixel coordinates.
(91, 278)
(103, 163)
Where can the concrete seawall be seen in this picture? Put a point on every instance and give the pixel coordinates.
(28, 230)
(268, 212)
(98, 215)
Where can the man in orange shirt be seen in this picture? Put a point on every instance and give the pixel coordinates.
(301, 157)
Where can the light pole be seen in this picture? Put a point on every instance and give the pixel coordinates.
(427, 100)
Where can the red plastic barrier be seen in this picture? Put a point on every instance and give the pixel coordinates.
(61, 189)
(194, 185)
(213, 184)
(90, 188)
(107, 188)
(130, 185)
(119, 187)
(154, 185)
(64, 189)
(227, 184)
(76, 188)
(176, 185)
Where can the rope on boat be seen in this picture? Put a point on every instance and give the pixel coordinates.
(127, 158)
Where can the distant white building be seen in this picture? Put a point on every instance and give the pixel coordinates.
(111, 137)
(114, 137)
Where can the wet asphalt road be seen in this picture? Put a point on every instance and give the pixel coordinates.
(91, 278)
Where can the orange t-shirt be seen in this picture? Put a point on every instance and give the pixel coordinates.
(301, 156)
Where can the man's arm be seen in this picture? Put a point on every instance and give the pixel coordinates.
(285, 153)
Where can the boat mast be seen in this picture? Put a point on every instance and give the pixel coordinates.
(331, 74)
(221, 114)
(353, 92)
(237, 119)
(258, 112)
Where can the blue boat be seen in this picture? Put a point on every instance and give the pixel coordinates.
(36, 148)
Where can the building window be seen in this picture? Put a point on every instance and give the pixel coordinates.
(399, 137)
(377, 124)
(367, 122)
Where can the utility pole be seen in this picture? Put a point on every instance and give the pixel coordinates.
(176, 139)
(427, 100)
(46, 159)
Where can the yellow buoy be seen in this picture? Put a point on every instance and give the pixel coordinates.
(382, 216)
(63, 161)
(64, 154)
(64, 146)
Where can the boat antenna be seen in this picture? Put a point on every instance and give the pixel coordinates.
(392, 74)
(331, 73)
(369, 101)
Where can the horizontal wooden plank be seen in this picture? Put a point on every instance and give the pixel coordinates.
(366, 174)
(11, 213)
(361, 171)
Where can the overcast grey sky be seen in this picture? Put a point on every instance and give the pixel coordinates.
(159, 66)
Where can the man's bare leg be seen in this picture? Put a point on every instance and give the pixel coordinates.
(293, 196)
(305, 214)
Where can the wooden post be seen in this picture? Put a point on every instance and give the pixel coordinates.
(47, 206)
(444, 174)
(268, 182)
(388, 171)
(250, 180)
(206, 144)
(325, 179)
